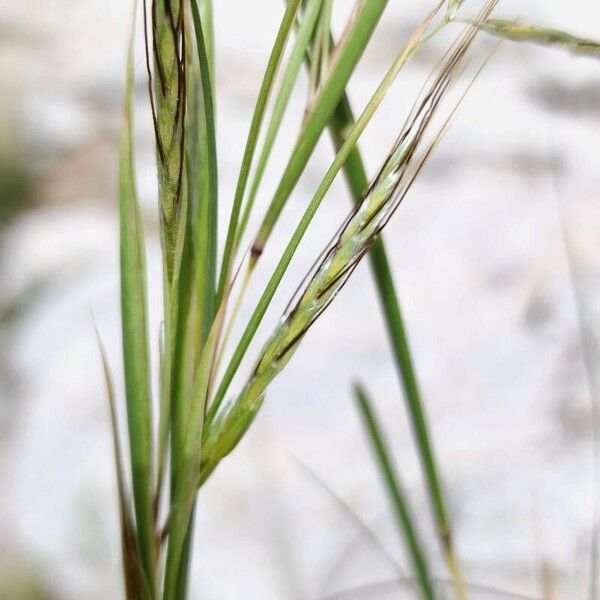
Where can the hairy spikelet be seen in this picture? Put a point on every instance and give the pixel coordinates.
(168, 96)
(351, 243)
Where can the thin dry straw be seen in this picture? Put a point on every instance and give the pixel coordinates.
(365, 531)
(409, 584)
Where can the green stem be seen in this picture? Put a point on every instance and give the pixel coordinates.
(193, 321)
(304, 31)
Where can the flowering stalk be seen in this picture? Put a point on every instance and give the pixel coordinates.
(352, 242)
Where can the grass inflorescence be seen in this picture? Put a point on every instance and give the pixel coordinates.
(174, 452)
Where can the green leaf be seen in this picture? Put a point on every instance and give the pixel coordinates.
(136, 356)
(205, 8)
(395, 492)
(347, 57)
(132, 573)
(189, 477)
(195, 311)
(207, 226)
(251, 142)
(290, 76)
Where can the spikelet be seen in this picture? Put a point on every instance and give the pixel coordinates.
(168, 98)
(336, 264)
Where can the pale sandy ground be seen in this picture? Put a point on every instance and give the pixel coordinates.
(480, 265)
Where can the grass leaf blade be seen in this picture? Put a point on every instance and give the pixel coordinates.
(136, 355)
(357, 180)
(395, 492)
(132, 573)
(303, 35)
(208, 200)
(347, 57)
(252, 140)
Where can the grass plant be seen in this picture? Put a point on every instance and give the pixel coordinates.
(172, 454)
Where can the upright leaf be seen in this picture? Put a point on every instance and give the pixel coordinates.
(347, 56)
(136, 356)
(395, 493)
(135, 589)
(252, 139)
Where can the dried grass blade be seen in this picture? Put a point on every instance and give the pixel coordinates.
(305, 30)
(285, 29)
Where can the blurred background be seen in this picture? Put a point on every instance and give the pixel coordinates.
(479, 251)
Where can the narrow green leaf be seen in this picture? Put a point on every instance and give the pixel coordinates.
(164, 417)
(252, 139)
(347, 57)
(188, 481)
(325, 27)
(206, 250)
(395, 493)
(136, 356)
(132, 572)
(417, 40)
(356, 178)
(185, 348)
(290, 76)
(195, 311)
(205, 8)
